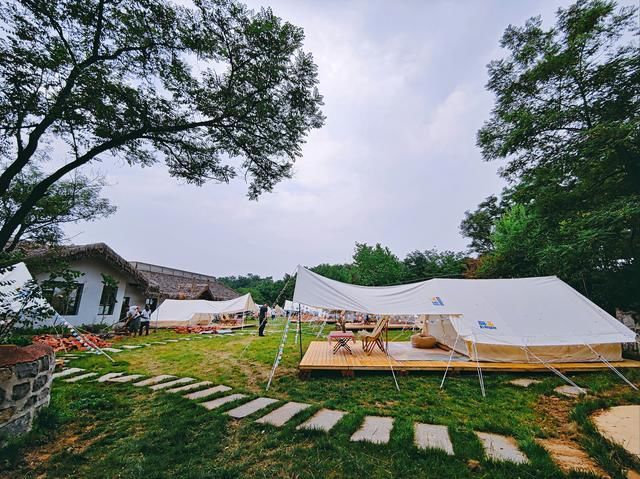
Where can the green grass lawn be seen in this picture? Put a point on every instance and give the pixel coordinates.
(104, 431)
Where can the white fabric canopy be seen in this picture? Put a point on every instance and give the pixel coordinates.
(179, 311)
(540, 311)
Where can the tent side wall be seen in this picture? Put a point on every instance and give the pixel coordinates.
(577, 353)
(445, 333)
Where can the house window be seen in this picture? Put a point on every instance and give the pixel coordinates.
(107, 300)
(64, 297)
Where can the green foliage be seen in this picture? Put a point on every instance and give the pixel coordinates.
(567, 120)
(376, 266)
(67, 201)
(422, 265)
(118, 79)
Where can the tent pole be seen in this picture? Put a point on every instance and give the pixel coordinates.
(611, 366)
(300, 329)
(480, 378)
(552, 369)
(455, 343)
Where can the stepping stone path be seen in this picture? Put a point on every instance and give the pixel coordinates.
(207, 392)
(80, 378)
(250, 407)
(570, 457)
(67, 372)
(501, 448)
(375, 429)
(108, 376)
(125, 379)
(281, 415)
(570, 391)
(524, 382)
(171, 384)
(189, 387)
(431, 436)
(323, 420)
(216, 403)
(154, 380)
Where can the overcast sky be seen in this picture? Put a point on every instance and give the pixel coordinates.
(396, 162)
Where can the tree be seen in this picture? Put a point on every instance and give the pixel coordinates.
(422, 265)
(67, 201)
(101, 78)
(567, 120)
(478, 225)
(376, 266)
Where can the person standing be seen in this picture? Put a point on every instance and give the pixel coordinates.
(134, 324)
(262, 319)
(145, 318)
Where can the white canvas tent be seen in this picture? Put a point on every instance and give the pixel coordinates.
(198, 312)
(512, 320)
(10, 284)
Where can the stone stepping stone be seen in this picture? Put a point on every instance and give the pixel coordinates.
(281, 415)
(524, 382)
(128, 346)
(170, 384)
(570, 457)
(67, 372)
(620, 425)
(154, 380)
(431, 436)
(80, 378)
(189, 387)
(112, 350)
(323, 420)
(125, 379)
(108, 376)
(158, 342)
(172, 340)
(207, 392)
(216, 403)
(250, 407)
(501, 448)
(570, 391)
(375, 429)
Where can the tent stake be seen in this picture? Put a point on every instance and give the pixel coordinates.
(611, 366)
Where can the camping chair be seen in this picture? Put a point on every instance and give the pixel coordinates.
(370, 340)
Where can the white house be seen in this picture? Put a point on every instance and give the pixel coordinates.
(109, 284)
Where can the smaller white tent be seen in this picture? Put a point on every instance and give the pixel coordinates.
(198, 312)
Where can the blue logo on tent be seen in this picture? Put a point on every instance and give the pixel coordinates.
(436, 301)
(486, 325)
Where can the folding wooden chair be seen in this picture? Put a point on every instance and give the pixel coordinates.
(375, 338)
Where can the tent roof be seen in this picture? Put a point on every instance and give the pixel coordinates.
(524, 311)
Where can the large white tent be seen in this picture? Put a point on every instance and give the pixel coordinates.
(198, 312)
(11, 282)
(516, 320)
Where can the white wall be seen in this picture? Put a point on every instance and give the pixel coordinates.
(92, 281)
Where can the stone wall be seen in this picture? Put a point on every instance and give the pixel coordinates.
(25, 385)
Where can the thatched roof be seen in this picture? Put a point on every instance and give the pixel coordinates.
(178, 284)
(36, 255)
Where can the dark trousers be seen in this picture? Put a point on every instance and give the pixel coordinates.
(144, 324)
(263, 324)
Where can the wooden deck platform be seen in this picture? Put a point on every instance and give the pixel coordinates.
(319, 357)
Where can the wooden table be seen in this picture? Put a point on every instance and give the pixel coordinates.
(341, 340)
